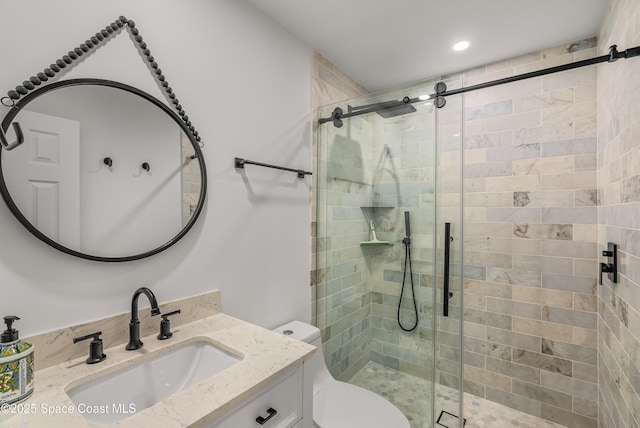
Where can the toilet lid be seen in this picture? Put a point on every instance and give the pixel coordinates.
(342, 405)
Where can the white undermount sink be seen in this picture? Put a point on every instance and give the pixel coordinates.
(131, 389)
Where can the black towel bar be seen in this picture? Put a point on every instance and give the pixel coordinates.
(240, 163)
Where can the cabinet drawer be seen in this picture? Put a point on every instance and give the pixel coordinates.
(284, 396)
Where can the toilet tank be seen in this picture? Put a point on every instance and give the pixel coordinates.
(301, 331)
(311, 335)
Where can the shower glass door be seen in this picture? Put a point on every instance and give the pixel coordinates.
(386, 184)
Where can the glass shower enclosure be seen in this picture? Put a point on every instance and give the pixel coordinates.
(388, 249)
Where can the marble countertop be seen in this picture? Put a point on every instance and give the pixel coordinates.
(265, 355)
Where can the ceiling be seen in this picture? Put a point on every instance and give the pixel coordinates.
(383, 44)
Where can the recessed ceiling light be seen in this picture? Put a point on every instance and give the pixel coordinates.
(460, 46)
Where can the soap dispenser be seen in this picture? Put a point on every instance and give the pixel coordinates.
(16, 365)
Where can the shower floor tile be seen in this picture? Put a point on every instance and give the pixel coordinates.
(412, 395)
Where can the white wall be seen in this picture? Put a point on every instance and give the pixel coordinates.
(245, 84)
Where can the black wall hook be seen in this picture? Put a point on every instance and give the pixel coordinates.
(108, 162)
(19, 137)
(146, 166)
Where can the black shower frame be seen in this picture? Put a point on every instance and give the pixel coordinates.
(441, 89)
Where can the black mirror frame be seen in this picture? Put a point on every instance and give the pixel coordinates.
(109, 83)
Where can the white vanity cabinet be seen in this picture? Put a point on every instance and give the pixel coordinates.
(283, 403)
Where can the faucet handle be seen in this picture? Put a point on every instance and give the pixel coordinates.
(165, 325)
(95, 347)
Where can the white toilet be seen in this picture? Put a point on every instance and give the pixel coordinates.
(339, 404)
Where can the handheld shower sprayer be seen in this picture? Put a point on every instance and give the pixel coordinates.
(407, 228)
(407, 251)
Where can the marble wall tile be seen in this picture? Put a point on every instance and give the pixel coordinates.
(485, 377)
(585, 407)
(507, 153)
(559, 265)
(514, 308)
(585, 302)
(517, 183)
(557, 164)
(569, 317)
(585, 76)
(514, 246)
(542, 394)
(583, 215)
(586, 198)
(514, 121)
(585, 162)
(508, 91)
(543, 362)
(577, 180)
(488, 318)
(566, 418)
(514, 215)
(562, 299)
(585, 337)
(513, 276)
(493, 169)
(484, 347)
(543, 231)
(569, 249)
(578, 353)
(578, 146)
(485, 140)
(544, 100)
(514, 401)
(508, 368)
(569, 283)
(489, 110)
(585, 93)
(585, 232)
(585, 372)
(511, 338)
(486, 259)
(497, 199)
(543, 329)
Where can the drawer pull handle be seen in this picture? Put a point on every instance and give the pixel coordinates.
(271, 411)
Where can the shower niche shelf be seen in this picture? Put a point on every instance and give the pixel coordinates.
(374, 242)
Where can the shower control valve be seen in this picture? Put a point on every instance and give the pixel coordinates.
(611, 268)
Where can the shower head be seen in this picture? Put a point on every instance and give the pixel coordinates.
(387, 109)
(388, 112)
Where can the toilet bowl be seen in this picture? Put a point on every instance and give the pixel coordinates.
(339, 404)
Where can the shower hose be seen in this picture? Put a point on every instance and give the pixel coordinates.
(407, 259)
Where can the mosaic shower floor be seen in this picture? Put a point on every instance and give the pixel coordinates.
(412, 394)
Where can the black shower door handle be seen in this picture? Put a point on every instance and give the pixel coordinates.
(447, 250)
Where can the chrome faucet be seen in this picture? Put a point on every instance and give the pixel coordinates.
(134, 324)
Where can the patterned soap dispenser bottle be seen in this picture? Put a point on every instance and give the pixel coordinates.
(16, 365)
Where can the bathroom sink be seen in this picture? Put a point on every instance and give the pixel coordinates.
(131, 389)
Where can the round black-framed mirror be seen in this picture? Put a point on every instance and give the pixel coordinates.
(146, 179)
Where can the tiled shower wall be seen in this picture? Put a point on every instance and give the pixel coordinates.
(619, 192)
(339, 295)
(403, 181)
(530, 307)
(531, 232)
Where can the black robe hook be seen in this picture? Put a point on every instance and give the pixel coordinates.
(19, 137)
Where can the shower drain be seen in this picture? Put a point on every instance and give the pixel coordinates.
(449, 420)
